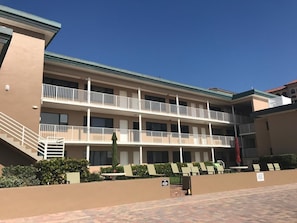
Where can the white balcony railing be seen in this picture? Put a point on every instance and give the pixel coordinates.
(58, 93)
(247, 129)
(129, 136)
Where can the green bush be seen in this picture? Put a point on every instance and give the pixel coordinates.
(11, 181)
(26, 174)
(94, 177)
(53, 171)
(286, 161)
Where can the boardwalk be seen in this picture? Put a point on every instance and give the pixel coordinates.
(266, 204)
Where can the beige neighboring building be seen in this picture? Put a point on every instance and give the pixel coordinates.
(287, 90)
(54, 106)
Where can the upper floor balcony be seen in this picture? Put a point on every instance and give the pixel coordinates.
(116, 103)
(98, 135)
(247, 129)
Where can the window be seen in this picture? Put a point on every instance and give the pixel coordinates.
(62, 83)
(154, 103)
(157, 156)
(54, 118)
(156, 127)
(100, 158)
(293, 91)
(183, 129)
(99, 122)
(186, 157)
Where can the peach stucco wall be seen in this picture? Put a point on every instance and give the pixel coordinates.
(259, 104)
(39, 200)
(22, 70)
(244, 180)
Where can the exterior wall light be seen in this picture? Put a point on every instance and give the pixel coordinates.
(7, 87)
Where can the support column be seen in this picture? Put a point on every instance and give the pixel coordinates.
(234, 121)
(89, 90)
(140, 155)
(88, 153)
(211, 140)
(181, 154)
(88, 123)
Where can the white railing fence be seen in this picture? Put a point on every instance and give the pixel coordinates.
(130, 136)
(27, 138)
(109, 100)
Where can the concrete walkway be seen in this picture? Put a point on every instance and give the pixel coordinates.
(266, 204)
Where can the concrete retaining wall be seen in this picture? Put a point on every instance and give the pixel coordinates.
(243, 180)
(39, 200)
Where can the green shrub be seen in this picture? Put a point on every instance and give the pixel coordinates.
(11, 181)
(286, 161)
(53, 171)
(26, 174)
(94, 177)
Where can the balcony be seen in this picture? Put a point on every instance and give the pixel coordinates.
(71, 96)
(96, 135)
(247, 129)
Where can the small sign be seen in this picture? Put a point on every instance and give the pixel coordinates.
(165, 183)
(260, 176)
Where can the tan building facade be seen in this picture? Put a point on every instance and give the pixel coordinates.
(54, 106)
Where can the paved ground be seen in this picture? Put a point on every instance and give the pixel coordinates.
(267, 204)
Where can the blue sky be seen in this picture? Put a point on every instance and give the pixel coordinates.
(231, 44)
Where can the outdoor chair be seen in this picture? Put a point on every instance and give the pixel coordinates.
(256, 167)
(128, 171)
(210, 170)
(195, 170)
(276, 166)
(186, 171)
(152, 171)
(220, 169)
(270, 167)
(175, 169)
(203, 167)
(190, 165)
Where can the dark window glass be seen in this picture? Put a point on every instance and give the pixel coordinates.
(157, 156)
(100, 158)
(154, 126)
(53, 118)
(99, 122)
(61, 83)
(186, 157)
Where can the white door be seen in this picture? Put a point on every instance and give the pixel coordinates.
(134, 102)
(197, 157)
(136, 159)
(205, 156)
(124, 157)
(201, 111)
(193, 110)
(123, 99)
(123, 130)
(195, 135)
(203, 136)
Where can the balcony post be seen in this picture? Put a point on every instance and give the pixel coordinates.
(88, 153)
(181, 154)
(140, 155)
(88, 123)
(139, 99)
(89, 90)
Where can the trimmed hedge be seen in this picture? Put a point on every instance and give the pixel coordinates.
(286, 161)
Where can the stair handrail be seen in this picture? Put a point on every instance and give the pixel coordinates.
(21, 133)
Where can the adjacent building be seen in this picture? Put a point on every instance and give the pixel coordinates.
(54, 106)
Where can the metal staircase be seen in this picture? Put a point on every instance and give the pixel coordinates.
(29, 142)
